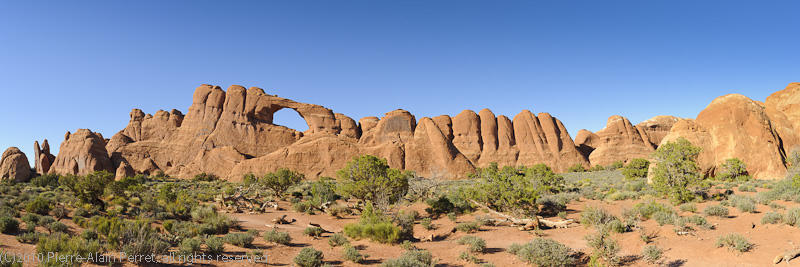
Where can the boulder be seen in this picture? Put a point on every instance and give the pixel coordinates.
(14, 165)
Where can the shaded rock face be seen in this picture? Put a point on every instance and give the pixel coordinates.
(14, 165)
(81, 153)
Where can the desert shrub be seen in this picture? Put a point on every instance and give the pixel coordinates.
(551, 205)
(468, 227)
(370, 178)
(29, 238)
(646, 210)
(617, 226)
(90, 234)
(733, 170)
(615, 166)
(47, 180)
(652, 254)
(776, 206)
(734, 242)
(688, 207)
(58, 227)
(313, 231)
(274, 236)
(439, 206)
(427, 223)
(412, 258)
(351, 254)
(138, 238)
(545, 252)
(336, 210)
(743, 203)
(716, 210)
(60, 212)
(405, 220)
(593, 216)
(373, 225)
(747, 188)
(792, 216)
(62, 245)
(39, 205)
(205, 177)
(220, 223)
(8, 224)
(636, 169)
(474, 243)
(189, 246)
(239, 239)
(338, 240)
(466, 256)
(322, 191)
(452, 217)
(576, 168)
(484, 220)
(772, 217)
(676, 171)
(700, 221)
(216, 245)
(597, 167)
(664, 218)
(604, 247)
(309, 257)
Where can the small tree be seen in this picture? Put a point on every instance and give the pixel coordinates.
(369, 178)
(676, 170)
(280, 180)
(636, 169)
(89, 188)
(615, 166)
(733, 170)
(515, 189)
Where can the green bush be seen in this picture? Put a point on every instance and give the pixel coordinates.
(58, 227)
(743, 203)
(468, 227)
(792, 216)
(216, 245)
(688, 207)
(466, 256)
(239, 239)
(274, 236)
(701, 222)
(716, 210)
(313, 231)
(136, 238)
(733, 170)
(652, 254)
(89, 188)
(309, 257)
(593, 216)
(47, 180)
(29, 238)
(576, 168)
(636, 169)
(546, 252)
(351, 254)
(597, 167)
(412, 258)
(205, 177)
(474, 243)
(427, 223)
(369, 178)
(39, 205)
(664, 218)
(772, 217)
(734, 242)
(615, 166)
(676, 171)
(375, 226)
(189, 246)
(8, 224)
(337, 240)
(62, 245)
(604, 247)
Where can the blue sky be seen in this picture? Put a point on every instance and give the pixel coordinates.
(66, 65)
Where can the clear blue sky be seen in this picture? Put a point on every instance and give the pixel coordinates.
(66, 65)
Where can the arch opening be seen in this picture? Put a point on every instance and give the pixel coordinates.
(290, 118)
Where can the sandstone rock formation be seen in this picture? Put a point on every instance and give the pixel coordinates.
(622, 141)
(232, 133)
(82, 152)
(14, 165)
(734, 126)
(42, 158)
